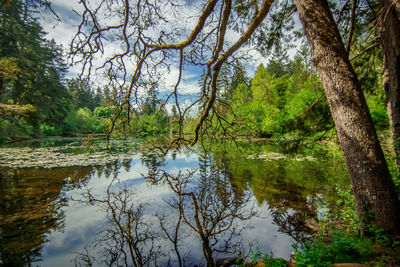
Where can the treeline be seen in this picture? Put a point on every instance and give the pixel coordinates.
(35, 97)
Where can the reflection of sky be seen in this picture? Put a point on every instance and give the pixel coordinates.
(83, 222)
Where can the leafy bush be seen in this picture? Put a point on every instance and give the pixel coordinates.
(105, 112)
(313, 254)
(342, 249)
(4, 124)
(15, 128)
(267, 259)
(70, 122)
(344, 212)
(84, 121)
(48, 130)
(156, 123)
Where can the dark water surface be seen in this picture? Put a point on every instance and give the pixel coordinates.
(181, 208)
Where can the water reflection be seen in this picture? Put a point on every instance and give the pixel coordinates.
(203, 211)
(192, 207)
(31, 204)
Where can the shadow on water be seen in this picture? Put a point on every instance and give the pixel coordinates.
(187, 208)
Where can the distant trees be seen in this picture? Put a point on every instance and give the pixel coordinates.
(83, 95)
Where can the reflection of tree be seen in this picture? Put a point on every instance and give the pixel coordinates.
(130, 240)
(153, 161)
(211, 211)
(30, 206)
(293, 189)
(206, 207)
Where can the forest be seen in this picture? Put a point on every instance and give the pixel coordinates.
(324, 97)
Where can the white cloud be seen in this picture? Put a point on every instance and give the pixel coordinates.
(182, 19)
(188, 84)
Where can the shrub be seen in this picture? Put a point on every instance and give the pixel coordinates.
(15, 128)
(48, 130)
(342, 249)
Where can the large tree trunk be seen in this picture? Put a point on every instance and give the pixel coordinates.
(372, 184)
(391, 69)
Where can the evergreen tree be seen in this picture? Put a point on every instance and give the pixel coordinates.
(83, 95)
(40, 65)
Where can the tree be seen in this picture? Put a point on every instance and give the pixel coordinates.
(375, 50)
(8, 72)
(278, 64)
(35, 66)
(206, 45)
(390, 15)
(82, 94)
(372, 183)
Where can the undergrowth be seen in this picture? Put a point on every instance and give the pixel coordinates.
(340, 240)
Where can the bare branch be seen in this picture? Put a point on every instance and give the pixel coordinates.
(217, 66)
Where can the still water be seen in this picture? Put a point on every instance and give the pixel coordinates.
(135, 206)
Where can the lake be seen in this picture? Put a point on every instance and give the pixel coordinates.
(67, 202)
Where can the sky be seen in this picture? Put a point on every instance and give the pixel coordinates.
(62, 32)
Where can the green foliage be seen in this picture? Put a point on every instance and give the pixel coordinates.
(270, 261)
(267, 258)
(4, 125)
(84, 120)
(9, 68)
(103, 117)
(189, 125)
(70, 125)
(105, 112)
(344, 212)
(155, 123)
(283, 100)
(48, 130)
(342, 249)
(378, 110)
(14, 128)
(314, 254)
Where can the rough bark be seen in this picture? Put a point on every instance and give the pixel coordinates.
(373, 187)
(391, 68)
